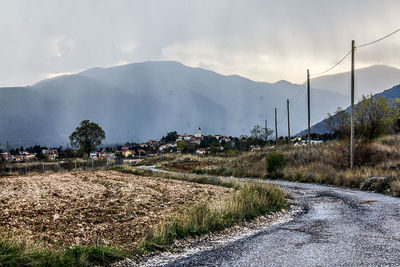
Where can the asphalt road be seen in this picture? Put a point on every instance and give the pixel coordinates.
(339, 227)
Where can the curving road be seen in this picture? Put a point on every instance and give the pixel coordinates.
(339, 227)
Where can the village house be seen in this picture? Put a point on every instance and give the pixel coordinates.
(201, 151)
(51, 153)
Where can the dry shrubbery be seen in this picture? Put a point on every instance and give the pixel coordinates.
(325, 163)
(366, 153)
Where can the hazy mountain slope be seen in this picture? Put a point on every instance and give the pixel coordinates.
(25, 117)
(146, 100)
(370, 80)
(320, 127)
(247, 102)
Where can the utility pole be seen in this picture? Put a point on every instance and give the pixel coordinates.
(276, 128)
(352, 108)
(308, 101)
(288, 121)
(266, 132)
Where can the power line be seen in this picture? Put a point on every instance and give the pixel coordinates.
(363, 45)
(299, 96)
(283, 117)
(325, 71)
(378, 40)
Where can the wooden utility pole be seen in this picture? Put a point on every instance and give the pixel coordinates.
(288, 120)
(308, 101)
(276, 128)
(266, 131)
(352, 108)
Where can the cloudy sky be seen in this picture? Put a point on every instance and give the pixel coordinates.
(261, 40)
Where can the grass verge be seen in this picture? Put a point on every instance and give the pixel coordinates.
(247, 201)
(13, 253)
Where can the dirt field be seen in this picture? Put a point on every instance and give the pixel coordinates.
(99, 207)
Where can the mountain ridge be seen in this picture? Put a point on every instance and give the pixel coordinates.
(141, 101)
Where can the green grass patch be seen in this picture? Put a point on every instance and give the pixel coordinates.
(13, 253)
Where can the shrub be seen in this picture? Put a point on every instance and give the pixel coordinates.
(378, 184)
(365, 154)
(276, 163)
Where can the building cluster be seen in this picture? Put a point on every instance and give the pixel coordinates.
(193, 140)
(21, 156)
(128, 151)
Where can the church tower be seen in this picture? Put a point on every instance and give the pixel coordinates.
(198, 135)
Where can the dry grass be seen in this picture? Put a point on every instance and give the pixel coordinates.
(324, 163)
(94, 208)
(246, 202)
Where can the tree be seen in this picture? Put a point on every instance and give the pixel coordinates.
(339, 123)
(181, 146)
(207, 140)
(87, 136)
(260, 133)
(42, 157)
(170, 138)
(215, 147)
(70, 153)
(374, 117)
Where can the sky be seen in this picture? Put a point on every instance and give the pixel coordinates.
(261, 40)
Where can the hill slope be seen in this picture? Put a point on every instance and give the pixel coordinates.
(146, 100)
(320, 127)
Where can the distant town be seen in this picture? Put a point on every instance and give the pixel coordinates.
(171, 143)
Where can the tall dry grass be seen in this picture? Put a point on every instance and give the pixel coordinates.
(326, 163)
(246, 202)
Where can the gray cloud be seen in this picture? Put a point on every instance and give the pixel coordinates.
(262, 40)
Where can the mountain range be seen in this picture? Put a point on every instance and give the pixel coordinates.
(141, 101)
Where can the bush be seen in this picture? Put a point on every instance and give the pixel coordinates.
(378, 184)
(365, 154)
(276, 163)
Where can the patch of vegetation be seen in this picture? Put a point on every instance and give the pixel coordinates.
(246, 202)
(276, 163)
(13, 253)
(325, 163)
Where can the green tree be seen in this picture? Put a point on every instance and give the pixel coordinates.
(170, 138)
(41, 156)
(87, 136)
(374, 117)
(181, 146)
(215, 147)
(207, 141)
